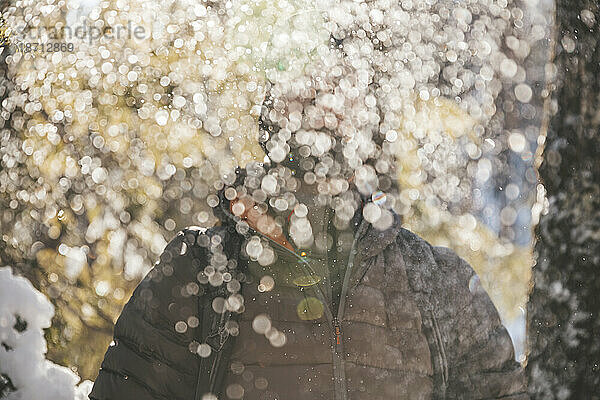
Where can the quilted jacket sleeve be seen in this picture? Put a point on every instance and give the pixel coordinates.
(152, 356)
(477, 349)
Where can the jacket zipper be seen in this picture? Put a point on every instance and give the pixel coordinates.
(339, 368)
(337, 348)
(339, 373)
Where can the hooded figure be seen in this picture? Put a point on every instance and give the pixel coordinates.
(309, 288)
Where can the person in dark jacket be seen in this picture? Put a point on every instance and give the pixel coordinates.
(402, 324)
(309, 288)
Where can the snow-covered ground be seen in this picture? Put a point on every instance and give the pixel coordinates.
(24, 313)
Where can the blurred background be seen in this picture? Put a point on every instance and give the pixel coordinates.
(108, 149)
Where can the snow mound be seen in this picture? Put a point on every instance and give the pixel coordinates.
(25, 373)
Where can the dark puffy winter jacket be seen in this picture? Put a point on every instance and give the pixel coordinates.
(413, 324)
